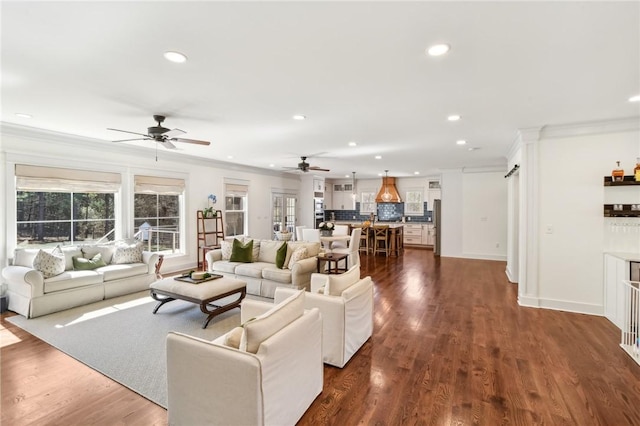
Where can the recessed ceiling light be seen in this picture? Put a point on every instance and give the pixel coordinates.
(272, 165)
(347, 176)
(299, 117)
(438, 49)
(352, 143)
(635, 98)
(453, 117)
(380, 174)
(230, 157)
(176, 57)
(461, 142)
(23, 115)
(473, 148)
(378, 157)
(416, 173)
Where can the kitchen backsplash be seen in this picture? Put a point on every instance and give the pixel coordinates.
(387, 212)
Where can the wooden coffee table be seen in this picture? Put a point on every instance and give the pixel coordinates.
(202, 293)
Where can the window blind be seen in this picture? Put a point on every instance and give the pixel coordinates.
(236, 190)
(53, 179)
(158, 185)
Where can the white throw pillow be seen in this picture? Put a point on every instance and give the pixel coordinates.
(232, 338)
(127, 254)
(336, 284)
(50, 264)
(24, 257)
(299, 254)
(266, 325)
(226, 248)
(269, 251)
(106, 251)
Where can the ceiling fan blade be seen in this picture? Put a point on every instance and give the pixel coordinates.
(126, 131)
(318, 169)
(167, 144)
(197, 142)
(137, 139)
(174, 132)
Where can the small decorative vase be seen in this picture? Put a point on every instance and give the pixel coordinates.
(326, 232)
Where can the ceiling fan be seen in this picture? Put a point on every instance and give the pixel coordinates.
(305, 167)
(160, 134)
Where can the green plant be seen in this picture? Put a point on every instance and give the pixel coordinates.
(209, 212)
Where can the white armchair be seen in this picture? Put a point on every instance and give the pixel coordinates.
(272, 378)
(346, 304)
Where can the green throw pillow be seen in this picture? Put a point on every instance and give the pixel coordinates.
(83, 264)
(242, 252)
(281, 255)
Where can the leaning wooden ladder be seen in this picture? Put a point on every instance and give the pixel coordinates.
(210, 235)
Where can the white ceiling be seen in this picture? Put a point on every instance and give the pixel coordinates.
(357, 71)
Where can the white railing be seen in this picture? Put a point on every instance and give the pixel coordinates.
(147, 235)
(630, 339)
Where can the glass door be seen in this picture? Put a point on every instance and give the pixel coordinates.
(283, 212)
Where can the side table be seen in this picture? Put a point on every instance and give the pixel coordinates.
(333, 259)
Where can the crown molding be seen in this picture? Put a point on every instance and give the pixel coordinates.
(628, 124)
(67, 142)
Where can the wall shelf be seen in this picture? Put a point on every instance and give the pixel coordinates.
(627, 181)
(623, 210)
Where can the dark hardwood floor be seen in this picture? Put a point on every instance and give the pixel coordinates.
(450, 346)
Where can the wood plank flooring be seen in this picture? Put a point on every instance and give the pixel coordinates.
(450, 346)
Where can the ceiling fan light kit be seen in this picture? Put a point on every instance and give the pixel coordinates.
(305, 167)
(160, 134)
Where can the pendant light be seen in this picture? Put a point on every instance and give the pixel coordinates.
(386, 197)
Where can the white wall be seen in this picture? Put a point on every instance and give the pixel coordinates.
(20, 145)
(572, 230)
(474, 214)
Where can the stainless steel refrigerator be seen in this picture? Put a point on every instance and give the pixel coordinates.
(437, 226)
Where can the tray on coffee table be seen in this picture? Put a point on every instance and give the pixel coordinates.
(188, 279)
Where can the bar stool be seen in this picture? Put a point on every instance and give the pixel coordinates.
(364, 239)
(381, 239)
(396, 241)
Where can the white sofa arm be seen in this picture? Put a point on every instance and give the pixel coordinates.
(150, 259)
(213, 256)
(25, 281)
(192, 395)
(302, 270)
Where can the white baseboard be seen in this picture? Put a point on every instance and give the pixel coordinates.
(502, 258)
(561, 305)
(510, 276)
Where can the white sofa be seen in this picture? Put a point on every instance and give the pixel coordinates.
(346, 304)
(265, 373)
(31, 294)
(262, 275)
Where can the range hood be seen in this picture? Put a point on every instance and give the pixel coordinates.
(388, 186)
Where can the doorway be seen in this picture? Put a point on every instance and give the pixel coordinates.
(283, 212)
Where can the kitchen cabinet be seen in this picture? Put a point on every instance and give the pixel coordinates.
(419, 234)
(342, 197)
(432, 194)
(318, 186)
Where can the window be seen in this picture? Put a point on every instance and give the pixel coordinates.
(367, 202)
(156, 213)
(414, 203)
(235, 202)
(57, 206)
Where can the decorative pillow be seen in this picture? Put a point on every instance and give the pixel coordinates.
(272, 321)
(232, 338)
(84, 264)
(336, 284)
(107, 251)
(128, 254)
(226, 247)
(281, 255)
(269, 251)
(242, 252)
(256, 247)
(24, 257)
(50, 264)
(299, 254)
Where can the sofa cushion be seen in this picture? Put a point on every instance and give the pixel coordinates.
(256, 247)
(281, 255)
(242, 252)
(71, 279)
(225, 249)
(312, 249)
(266, 325)
(269, 251)
(232, 338)
(253, 269)
(273, 273)
(69, 252)
(84, 264)
(129, 253)
(116, 272)
(224, 266)
(50, 264)
(299, 254)
(107, 251)
(336, 284)
(24, 257)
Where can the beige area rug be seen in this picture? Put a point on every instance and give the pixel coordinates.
(123, 340)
